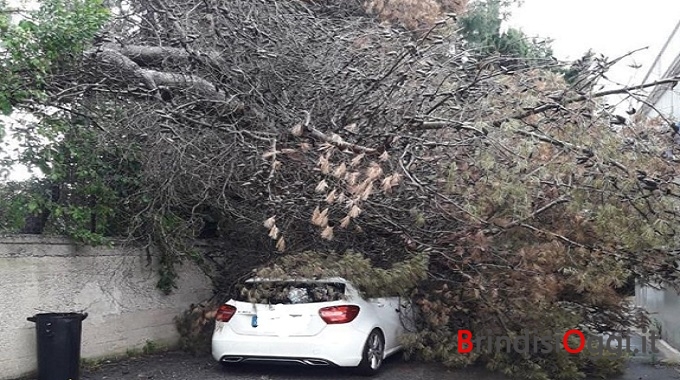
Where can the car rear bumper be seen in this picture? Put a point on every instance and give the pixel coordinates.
(310, 362)
(332, 347)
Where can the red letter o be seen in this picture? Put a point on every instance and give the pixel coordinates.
(565, 341)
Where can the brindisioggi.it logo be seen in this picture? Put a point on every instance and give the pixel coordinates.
(532, 341)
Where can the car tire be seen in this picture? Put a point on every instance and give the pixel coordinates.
(373, 354)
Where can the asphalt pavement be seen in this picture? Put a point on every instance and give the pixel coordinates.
(181, 366)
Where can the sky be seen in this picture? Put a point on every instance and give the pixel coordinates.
(610, 27)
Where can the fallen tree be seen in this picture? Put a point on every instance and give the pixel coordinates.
(273, 128)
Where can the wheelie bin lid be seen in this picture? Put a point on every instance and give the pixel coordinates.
(80, 316)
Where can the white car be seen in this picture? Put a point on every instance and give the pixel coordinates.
(309, 322)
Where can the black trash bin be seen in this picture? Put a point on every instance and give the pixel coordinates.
(58, 345)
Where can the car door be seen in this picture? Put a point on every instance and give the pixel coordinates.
(387, 310)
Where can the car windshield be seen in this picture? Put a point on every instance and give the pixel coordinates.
(290, 292)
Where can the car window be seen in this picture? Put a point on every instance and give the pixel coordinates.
(288, 292)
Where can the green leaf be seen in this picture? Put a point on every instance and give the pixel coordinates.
(32, 206)
(27, 25)
(5, 105)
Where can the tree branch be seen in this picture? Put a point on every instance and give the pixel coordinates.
(622, 90)
(580, 98)
(335, 139)
(153, 78)
(537, 212)
(451, 123)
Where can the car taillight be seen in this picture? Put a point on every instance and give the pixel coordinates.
(224, 313)
(339, 314)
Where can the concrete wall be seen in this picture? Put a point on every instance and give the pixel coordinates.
(114, 285)
(664, 307)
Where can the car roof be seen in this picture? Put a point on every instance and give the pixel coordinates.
(299, 279)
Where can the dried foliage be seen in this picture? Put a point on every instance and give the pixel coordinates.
(412, 14)
(399, 279)
(195, 326)
(291, 126)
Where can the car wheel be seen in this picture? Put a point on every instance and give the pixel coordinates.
(372, 356)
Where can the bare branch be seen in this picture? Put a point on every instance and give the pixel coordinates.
(129, 69)
(622, 90)
(551, 106)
